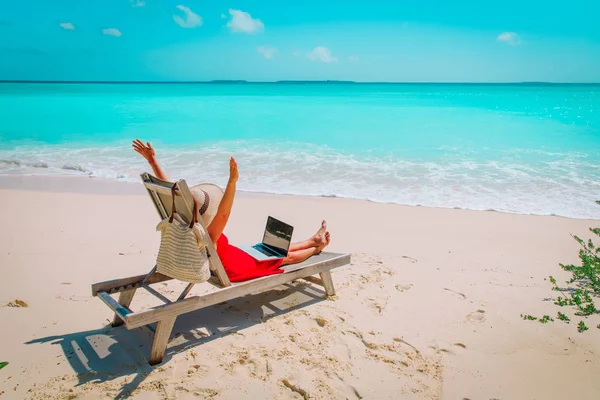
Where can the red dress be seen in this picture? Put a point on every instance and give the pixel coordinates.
(241, 266)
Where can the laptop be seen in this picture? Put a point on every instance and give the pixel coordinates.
(275, 244)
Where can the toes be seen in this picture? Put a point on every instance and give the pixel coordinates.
(322, 229)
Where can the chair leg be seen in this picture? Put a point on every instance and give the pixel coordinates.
(161, 338)
(124, 300)
(328, 283)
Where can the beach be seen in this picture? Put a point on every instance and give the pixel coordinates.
(446, 157)
(429, 308)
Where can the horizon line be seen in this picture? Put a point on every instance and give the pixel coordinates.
(241, 81)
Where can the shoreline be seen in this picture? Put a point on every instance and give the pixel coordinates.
(99, 185)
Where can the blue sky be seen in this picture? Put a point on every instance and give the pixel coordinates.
(375, 40)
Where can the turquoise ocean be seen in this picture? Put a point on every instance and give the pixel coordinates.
(529, 149)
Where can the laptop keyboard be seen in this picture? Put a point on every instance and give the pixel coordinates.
(265, 250)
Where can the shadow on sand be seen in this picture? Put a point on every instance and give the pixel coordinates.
(108, 353)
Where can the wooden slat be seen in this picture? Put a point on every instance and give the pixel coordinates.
(186, 291)
(134, 282)
(219, 270)
(315, 280)
(125, 299)
(323, 256)
(122, 311)
(158, 295)
(158, 313)
(159, 189)
(152, 271)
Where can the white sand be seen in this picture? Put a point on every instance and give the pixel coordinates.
(428, 309)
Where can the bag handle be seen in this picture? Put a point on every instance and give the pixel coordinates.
(174, 210)
(195, 218)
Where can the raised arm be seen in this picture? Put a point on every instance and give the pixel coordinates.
(215, 229)
(147, 151)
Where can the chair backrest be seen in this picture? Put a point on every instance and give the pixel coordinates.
(160, 193)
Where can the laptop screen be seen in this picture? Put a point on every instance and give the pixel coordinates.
(278, 235)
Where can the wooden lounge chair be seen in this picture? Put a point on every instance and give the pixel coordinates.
(165, 314)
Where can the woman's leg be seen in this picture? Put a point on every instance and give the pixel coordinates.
(297, 256)
(305, 244)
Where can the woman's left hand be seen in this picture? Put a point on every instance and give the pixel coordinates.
(146, 150)
(233, 170)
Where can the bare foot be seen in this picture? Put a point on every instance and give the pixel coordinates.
(319, 239)
(325, 243)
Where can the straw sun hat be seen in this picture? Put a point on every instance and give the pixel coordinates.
(208, 197)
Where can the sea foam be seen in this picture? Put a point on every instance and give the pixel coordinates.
(565, 186)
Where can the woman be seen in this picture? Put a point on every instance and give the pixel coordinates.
(239, 265)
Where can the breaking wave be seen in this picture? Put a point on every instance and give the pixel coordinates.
(541, 183)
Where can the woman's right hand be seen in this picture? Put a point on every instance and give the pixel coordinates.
(233, 170)
(146, 150)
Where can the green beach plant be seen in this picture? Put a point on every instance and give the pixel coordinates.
(528, 317)
(3, 364)
(585, 276)
(582, 287)
(563, 317)
(581, 327)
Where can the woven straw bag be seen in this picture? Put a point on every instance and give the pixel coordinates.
(182, 253)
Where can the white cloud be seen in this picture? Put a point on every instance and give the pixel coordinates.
(112, 32)
(511, 38)
(322, 54)
(267, 52)
(191, 20)
(353, 58)
(137, 3)
(223, 16)
(297, 53)
(243, 22)
(68, 26)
